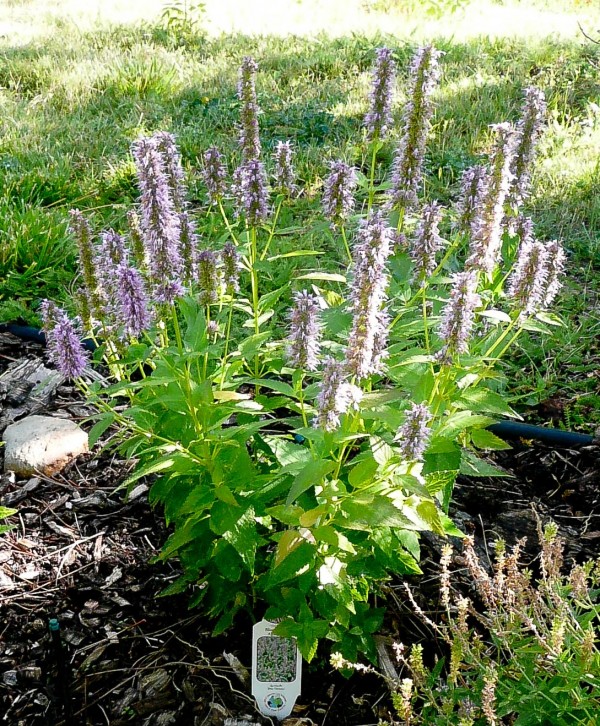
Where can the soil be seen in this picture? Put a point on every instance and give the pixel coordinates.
(125, 655)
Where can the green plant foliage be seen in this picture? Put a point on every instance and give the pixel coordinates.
(525, 652)
(5, 512)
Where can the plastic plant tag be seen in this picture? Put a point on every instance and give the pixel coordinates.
(276, 671)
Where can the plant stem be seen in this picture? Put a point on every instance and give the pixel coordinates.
(272, 232)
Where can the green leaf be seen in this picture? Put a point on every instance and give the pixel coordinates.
(294, 563)
(331, 276)
(381, 512)
(484, 439)
(244, 538)
(254, 343)
(311, 475)
(496, 315)
(176, 461)
(278, 386)
(262, 318)
(460, 421)
(472, 465)
(295, 253)
(6, 512)
(486, 401)
(104, 422)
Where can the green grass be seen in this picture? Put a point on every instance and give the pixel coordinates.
(77, 88)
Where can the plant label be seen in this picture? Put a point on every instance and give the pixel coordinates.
(276, 671)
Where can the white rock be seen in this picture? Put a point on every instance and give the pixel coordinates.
(42, 444)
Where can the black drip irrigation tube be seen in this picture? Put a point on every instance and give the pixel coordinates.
(504, 429)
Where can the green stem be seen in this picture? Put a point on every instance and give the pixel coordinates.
(346, 245)
(226, 350)
(272, 232)
(227, 224)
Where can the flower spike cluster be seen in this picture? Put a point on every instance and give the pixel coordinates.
(250, 191)
(535, 281)
(208, 277)
(63, 343)
(427, 243)
(214, 173)
(414, 434)
(248, 134)
(305, 332)
(379, 117)
(338, 192)
(80, 229)
(132, 311)
(336, 396)
(160, 223)
(285, 175)
(408, 163)
(231, 268)
(458, 316)
(368, 335)
(487, 223)
(471, 183)
(529, 130)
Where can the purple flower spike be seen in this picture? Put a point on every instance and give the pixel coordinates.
(379, 117)
(208, 277)
(458, 316)
(471, 183)
(188, 247)
(414, 434)
(368, 335)
(305, 332)
(336, 396)
(231, 268)
(248, 133)
(408, 164)
(427, 243)
(214, 174)
(80, 229)
(132, 303)
(527, 284)
(64, 346)
(160, 223)
(555, 262)
(285, 175)
(529, 130)
(250, 191)
(487, 224)
(165, 144)
(338, 192)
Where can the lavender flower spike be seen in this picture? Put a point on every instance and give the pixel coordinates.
(250, 191)
(188, 247)
(555, 262)
(408, 165)
(214, 174)
(132, 304)
(527, 284)
(160, 223)
(336, 396)
(414, 434)
(458, 316)
(165, 145)
(231, 268)
(63, 343)
(466, 207)
(248, 132)
(529, 130)
(368, 335)
(379, 117)
(285, 175)
(338, 199)
(305, 332)
(487, 224)
(427, 243)
(208, 277)
(80, 229)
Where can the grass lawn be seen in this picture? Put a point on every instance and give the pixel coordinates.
(78, 86)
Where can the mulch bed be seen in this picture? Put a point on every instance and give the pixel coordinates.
(82, 555)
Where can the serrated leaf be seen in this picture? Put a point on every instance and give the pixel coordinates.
(484, 439)
(495, 315)
(311, 475)
(220, 396)
(244, 538)
(460, 421)
(484, 400)
(295, 562)
(472, 465)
